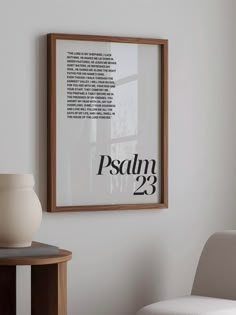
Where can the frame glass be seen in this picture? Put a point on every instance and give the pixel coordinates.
(107, 123)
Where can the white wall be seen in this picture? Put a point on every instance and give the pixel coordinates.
(123, 260)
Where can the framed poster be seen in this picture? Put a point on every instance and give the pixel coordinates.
(107, 123)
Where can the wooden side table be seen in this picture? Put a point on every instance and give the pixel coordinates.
(48, 283)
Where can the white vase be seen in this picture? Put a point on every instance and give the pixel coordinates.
(20, 210)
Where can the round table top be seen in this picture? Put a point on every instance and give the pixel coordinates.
(62, 256)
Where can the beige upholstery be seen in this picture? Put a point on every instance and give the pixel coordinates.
(216, 271)
(214, 287)
(191, 305)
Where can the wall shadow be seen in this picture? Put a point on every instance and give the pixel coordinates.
(149, 277)
(40, 142)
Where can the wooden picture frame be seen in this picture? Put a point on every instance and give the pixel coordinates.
(107, 123)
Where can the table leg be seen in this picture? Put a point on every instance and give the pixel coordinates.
(49, 289)
(8, 290)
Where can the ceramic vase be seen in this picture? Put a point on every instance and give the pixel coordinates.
(20, 210)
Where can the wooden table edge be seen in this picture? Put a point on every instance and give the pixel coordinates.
(63, 256)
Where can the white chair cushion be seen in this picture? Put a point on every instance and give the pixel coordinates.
(191, 305)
